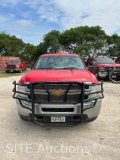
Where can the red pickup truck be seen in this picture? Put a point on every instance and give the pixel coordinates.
(102, 67)
(15, 66)
(58, 91)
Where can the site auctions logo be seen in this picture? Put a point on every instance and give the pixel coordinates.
(62, 148)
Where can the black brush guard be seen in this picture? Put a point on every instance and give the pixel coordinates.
(109, 70)
(34, 101)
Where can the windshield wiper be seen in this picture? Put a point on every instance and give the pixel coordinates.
(47, 68)
(70, 68)
(59, 68)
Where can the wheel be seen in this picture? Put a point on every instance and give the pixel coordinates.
(7, 71)
(114, 76)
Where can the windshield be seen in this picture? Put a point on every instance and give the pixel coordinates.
(14, 61)
(105, 61)
(59, 62)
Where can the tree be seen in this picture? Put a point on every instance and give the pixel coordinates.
(28, 53)
(40, 49)
(114, 45)
(13, 46)
(10, 45)
(51, 41)
(84, 40)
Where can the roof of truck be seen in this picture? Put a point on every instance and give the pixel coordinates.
(60, 54)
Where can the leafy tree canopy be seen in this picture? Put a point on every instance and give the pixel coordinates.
(83, 40)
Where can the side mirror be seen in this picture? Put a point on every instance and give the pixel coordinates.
(90, 67)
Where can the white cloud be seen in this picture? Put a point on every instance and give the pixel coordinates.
(23, 29)
(9, 2)
(3, 19)
(86, 12)
(80, 12)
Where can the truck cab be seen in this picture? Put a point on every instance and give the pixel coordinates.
(15, 66)
(101, 67)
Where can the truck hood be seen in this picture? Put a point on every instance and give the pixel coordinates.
(59, 76)
(108, 65)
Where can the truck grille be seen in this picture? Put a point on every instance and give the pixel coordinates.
(57, 109)
(11, 67)
(58, 93)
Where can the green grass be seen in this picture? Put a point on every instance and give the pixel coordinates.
(4, 74)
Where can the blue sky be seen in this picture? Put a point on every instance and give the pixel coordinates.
(30, 20)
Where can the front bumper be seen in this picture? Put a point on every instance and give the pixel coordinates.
(13, 70)
(74, 113)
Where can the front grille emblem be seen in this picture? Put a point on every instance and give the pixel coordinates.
(57, 92)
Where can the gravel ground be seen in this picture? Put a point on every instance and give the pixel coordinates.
(98, 140)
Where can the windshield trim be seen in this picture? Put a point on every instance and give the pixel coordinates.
(58, 63)
(105, 61)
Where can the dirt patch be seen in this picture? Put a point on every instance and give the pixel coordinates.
(97, 140)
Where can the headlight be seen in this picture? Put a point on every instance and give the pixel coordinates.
(96, 88)
(94, 91)
(22, 90)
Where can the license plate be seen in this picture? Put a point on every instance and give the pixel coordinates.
(11, 70)
(57, 119)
